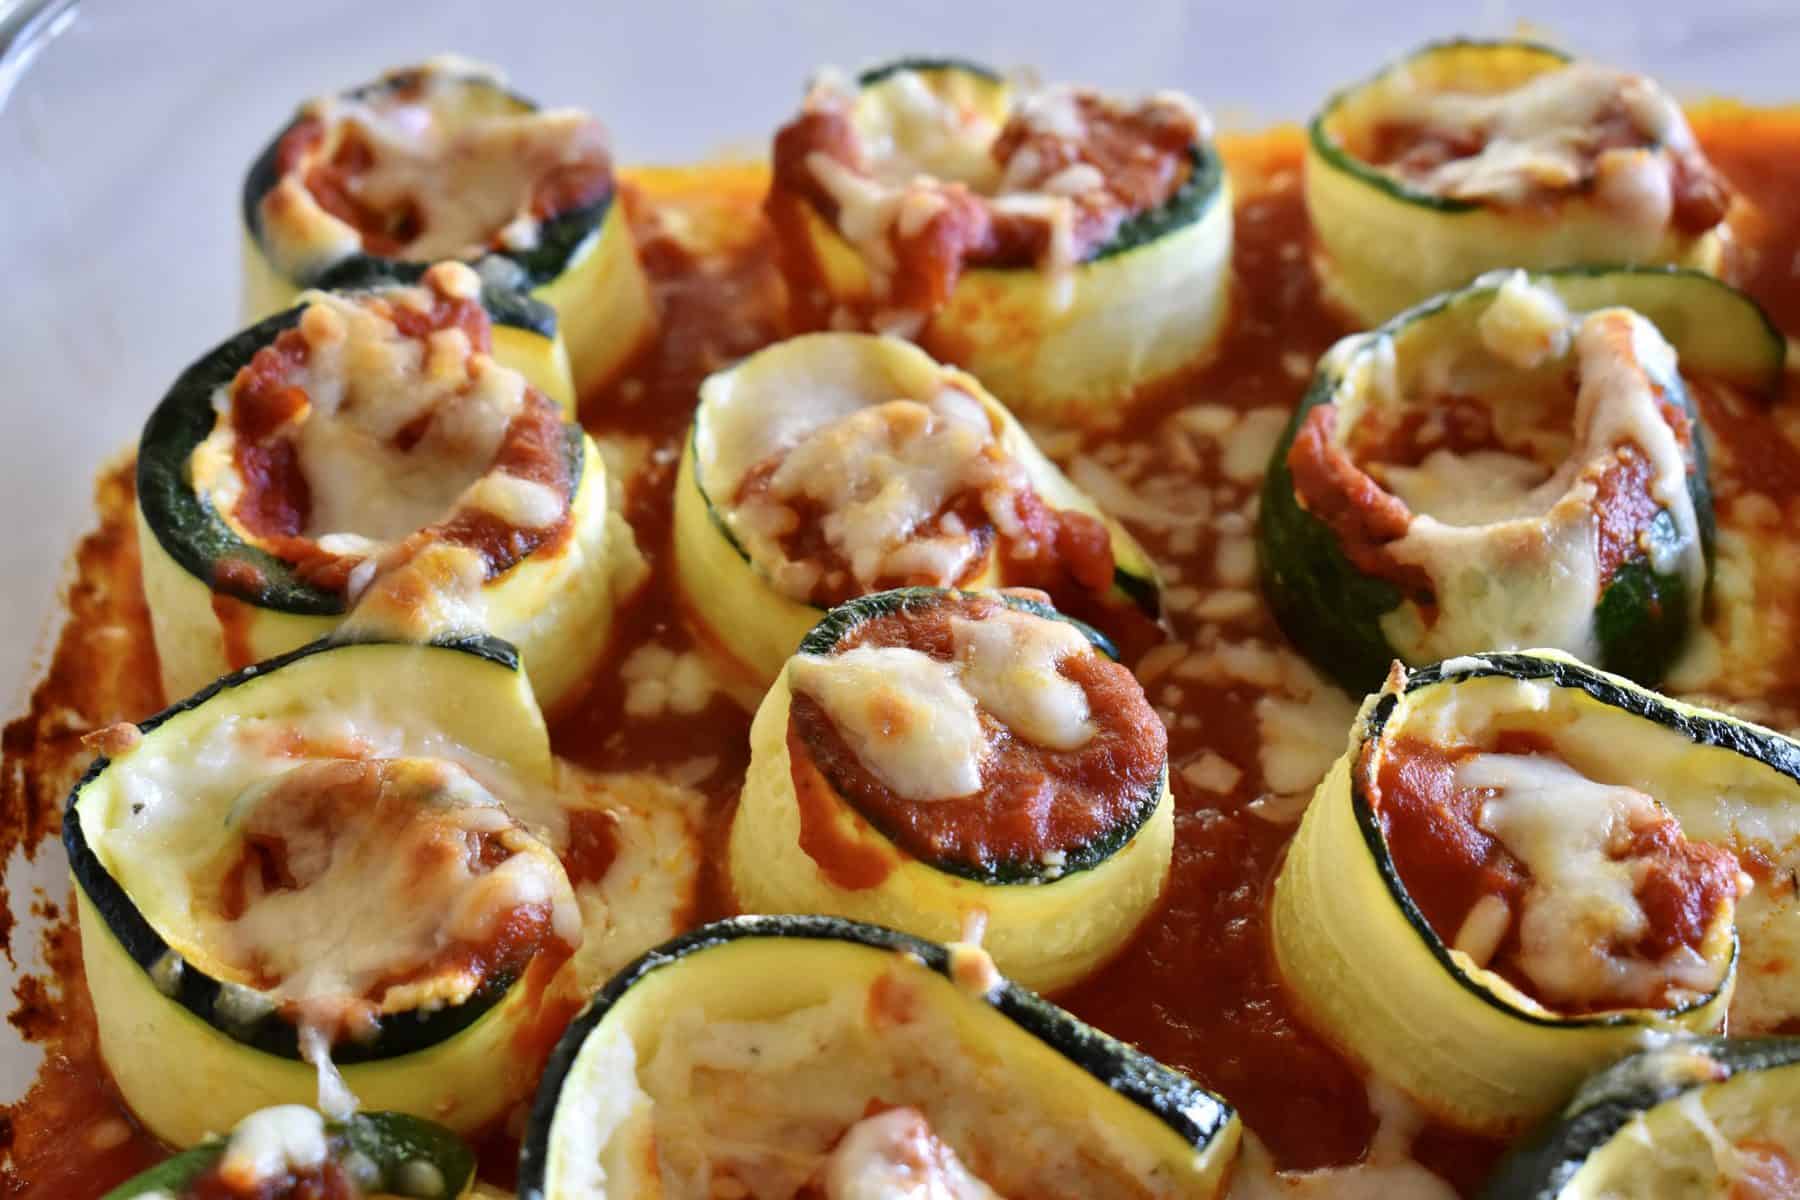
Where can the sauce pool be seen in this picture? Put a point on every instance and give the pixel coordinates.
(1197, 986)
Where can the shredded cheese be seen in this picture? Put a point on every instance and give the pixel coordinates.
(1581, 909)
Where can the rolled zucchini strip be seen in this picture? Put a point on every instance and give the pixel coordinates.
(281, 1151)
(839, 1046)
(1468, 156)
(308, 881)
(833, 465)
(443, 161)
(1522, 866)
(1518, 463)
(1712, 1118)
(1067, 247)
(929, 756)
(331, 456)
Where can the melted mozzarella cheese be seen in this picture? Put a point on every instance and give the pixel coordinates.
(914, 141)
(270, 1143)
(464, 171)
(1581, 907)
(1009, 663)
(1542, 135)
(906, 715)
(1513, 562)
(895, 1156)
(916, 722)
(366, 384)
(879, 477)
(389, 837)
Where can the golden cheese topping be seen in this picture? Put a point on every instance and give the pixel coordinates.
(436, 161)
(381, 422)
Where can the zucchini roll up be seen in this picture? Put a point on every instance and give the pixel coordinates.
(808, 1056)
(443, 161)
(834, 465)
(1066, 246)
(1710, 1118)
(929, 757)
(1522, 867)
(1469, 156)
(342, 453)
(290, 1151)
(315, 879)
(1520, 463)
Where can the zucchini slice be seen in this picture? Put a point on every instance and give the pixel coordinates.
(440, 161)
(786, 1032)
(932, 756)
(266, 504)
(1064, 246)
(1709, 1118)
(1468, 156)
(229, 853)
(1518, 463)
(1529, 813)
(836, 464)
(368, 1155)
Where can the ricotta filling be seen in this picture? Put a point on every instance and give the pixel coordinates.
(879, 484)
(1581, 911)
(873, 1092)
(396, 433)
(923, 726)
(1546, 136)
(450, 165)
(1511, 546)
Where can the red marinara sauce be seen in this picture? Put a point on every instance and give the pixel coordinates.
(1033, 802)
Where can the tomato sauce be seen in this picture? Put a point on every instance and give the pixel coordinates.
(1197, 987)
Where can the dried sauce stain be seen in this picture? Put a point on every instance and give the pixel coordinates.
(1197, 987)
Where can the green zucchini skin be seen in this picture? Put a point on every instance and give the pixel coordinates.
(187, 526)
(1332, 611)
(559, 239)
(199, 993)
(846, 618)
(926, 63)
(1545, 1166)
(1187, 1110)
(387, 1139)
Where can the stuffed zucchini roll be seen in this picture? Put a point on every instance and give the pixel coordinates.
(834, 465)
(1066, 246)
(808, 1056)
(368, 436)
(1469, 156)
(290, 1151)
(1519, 463)
(1708, 1118)
(931, 756)
(1522, 866)
(442, 161)
(315, 879)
